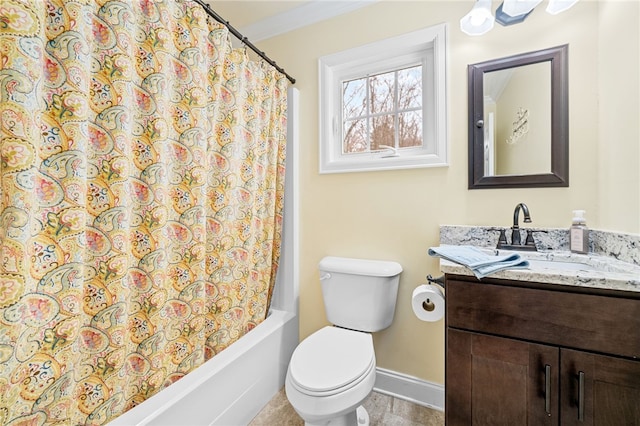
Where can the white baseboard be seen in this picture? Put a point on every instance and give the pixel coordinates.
(409, 388)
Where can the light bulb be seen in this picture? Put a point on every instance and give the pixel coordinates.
(479, 20)
(556, 6)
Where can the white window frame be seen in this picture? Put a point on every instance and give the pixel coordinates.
(427, 47)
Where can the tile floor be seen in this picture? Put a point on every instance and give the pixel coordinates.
(383, 411)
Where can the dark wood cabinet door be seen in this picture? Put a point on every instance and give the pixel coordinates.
(494, 381)
(599, 390)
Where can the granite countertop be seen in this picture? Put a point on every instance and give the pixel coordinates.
(565, 268)
(553, 263)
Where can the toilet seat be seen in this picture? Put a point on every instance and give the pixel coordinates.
(331, 361)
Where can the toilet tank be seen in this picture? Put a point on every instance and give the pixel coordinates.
(359, 294)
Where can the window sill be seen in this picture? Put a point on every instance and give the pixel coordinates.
(379, 164)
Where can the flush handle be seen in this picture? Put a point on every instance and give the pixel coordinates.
(325, 276)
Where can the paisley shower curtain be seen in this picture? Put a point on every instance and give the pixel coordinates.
(141, 191)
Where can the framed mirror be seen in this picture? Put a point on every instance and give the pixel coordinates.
(519, 121)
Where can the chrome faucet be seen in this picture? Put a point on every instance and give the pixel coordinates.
(516, 240)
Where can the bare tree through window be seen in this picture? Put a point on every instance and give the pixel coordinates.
(383, 109)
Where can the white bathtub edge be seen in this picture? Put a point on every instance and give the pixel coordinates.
(179, 399)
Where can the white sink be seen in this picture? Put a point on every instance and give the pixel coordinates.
(578, 262)
(559, 265)
(563, 261)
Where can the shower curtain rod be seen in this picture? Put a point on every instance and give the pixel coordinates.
(243, 39)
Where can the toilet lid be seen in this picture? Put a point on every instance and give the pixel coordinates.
(331, 358)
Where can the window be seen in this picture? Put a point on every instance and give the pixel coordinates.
(383, 105)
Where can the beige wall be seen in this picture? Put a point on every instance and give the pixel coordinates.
(618, 150)
(396, 215)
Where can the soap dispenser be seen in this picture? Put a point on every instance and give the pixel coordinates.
(579, 233)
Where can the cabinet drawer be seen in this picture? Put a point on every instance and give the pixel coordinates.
(598, 323)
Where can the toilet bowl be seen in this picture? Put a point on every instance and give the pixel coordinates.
(333, 370)
(330, 374)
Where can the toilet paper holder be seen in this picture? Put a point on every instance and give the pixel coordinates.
(439, 280)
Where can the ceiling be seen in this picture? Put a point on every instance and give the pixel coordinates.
(241, 13)
(261, 19)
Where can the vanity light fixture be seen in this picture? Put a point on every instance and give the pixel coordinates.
(505, 19)
(480, 19)
(515, 8)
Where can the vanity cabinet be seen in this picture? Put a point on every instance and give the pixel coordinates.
(522, 353)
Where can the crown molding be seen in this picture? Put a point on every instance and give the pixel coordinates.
(306, 14)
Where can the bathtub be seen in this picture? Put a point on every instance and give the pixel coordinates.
(229, 389)
(234, 385)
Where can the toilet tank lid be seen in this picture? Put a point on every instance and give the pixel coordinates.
(346, 265)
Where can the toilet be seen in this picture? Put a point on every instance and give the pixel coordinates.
(333, 371)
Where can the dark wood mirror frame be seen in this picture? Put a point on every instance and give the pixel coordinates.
(559, 176)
